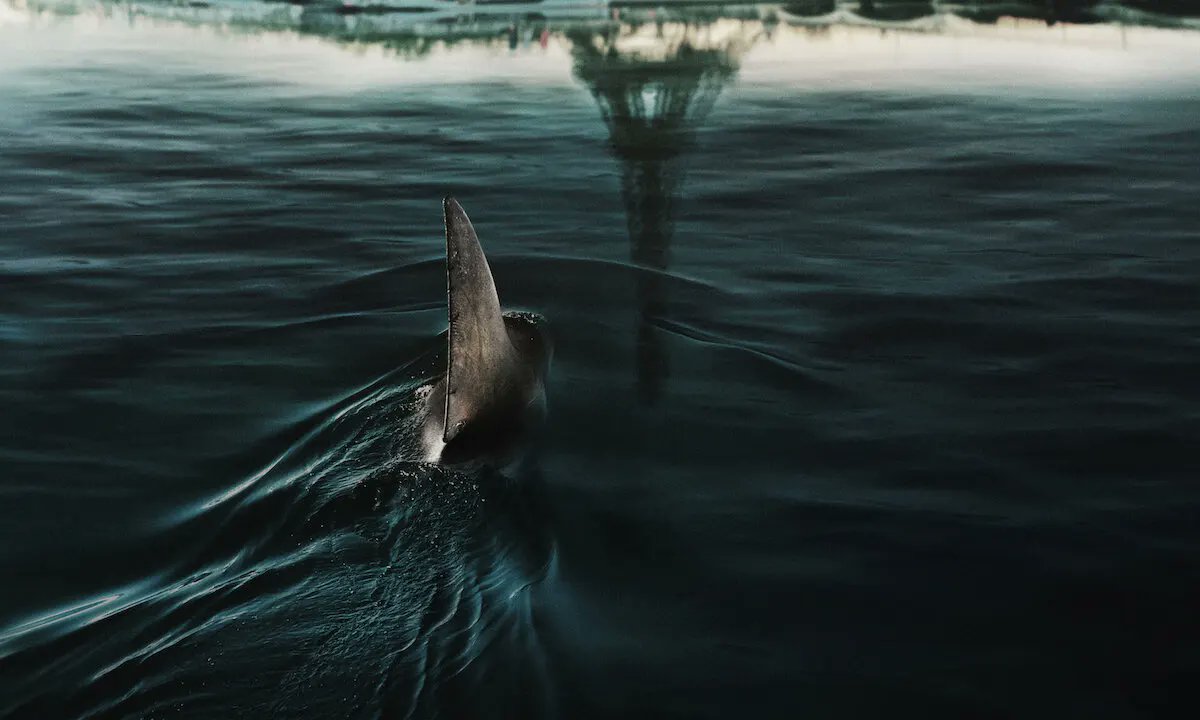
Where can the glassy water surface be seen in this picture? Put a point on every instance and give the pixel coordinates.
(874, 389)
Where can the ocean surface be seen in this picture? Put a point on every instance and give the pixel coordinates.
(876, 387)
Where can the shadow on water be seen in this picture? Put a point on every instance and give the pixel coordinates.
(341, 580)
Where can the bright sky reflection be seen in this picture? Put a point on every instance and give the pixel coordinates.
(947, 52)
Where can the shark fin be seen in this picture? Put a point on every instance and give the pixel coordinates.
(481, 354)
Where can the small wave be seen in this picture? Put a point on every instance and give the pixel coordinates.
(344, 561)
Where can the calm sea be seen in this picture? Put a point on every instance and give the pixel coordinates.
(875, 390)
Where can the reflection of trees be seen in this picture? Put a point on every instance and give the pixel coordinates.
(892, 11)
(896, 13)
(1049, 11)
(1185, 8)
(654, 85)
(810, 8)
(364, 30)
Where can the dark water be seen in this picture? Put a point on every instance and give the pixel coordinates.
(875, 387)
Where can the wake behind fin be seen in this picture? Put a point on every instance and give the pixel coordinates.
(482, 356)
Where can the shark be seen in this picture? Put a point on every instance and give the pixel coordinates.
(493, 394)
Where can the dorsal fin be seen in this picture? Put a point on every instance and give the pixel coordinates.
(481, 354)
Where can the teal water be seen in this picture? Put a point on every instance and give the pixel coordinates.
(874, 386)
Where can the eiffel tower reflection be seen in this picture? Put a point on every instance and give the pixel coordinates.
(655, 84)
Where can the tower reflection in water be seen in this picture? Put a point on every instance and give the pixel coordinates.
(654, 84)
